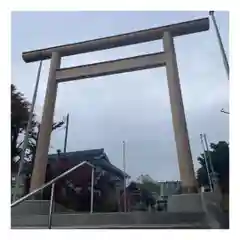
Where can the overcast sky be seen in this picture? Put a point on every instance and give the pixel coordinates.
(133, 106)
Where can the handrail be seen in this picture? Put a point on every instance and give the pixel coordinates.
(51, 182)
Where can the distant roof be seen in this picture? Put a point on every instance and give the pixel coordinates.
(97, 157)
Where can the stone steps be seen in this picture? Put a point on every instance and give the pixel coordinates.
(113, 220)
(149, 226)
(39, 207)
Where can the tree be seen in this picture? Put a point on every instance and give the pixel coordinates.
(19, 119)
(141, 192)
(147, 183)
(220, 160)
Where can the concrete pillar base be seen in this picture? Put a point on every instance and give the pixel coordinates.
(185, 203)
(193, 202)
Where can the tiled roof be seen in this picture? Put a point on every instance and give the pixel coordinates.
(95, 156)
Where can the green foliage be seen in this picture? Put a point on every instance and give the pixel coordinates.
(149, 186)
(220, 159)
(147, 183)
(19, 119)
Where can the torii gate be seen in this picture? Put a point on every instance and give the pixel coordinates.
(167, 59)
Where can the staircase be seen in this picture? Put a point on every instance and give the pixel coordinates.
(30, 208)
(33, 214)
(200, 212)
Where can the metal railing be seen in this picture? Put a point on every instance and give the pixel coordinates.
(52, 184)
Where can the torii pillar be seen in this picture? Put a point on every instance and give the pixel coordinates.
(41, 159)
(185, 162)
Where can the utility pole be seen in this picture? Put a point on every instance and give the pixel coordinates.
(209, 155)
(223, 53)
(26, 137)
(66, 134)
(206, 163)
(124, 171)
(214, 178)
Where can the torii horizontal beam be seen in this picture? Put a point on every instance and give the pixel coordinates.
(140, 62)
(121, 40)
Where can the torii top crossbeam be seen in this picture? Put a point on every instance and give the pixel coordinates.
(121, 40)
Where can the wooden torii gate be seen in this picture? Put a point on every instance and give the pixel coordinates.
(167, 59)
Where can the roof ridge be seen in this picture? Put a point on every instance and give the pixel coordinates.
(79, 151)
